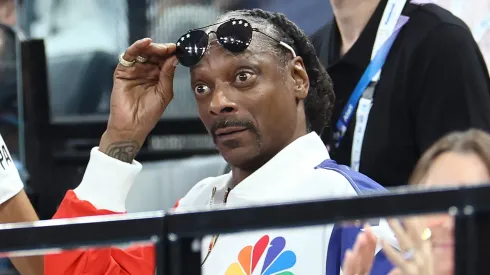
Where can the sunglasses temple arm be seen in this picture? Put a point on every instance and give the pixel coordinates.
(289, 48)
(256, 30)
(285, 45)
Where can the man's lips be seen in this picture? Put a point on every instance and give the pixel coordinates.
(229, 130)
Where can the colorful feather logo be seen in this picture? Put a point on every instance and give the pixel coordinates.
(276, 262)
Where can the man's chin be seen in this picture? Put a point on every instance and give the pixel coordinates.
(231, 146)
(237, 156)
(232, 153)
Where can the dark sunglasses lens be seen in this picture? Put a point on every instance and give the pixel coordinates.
(235, 35)
(191, 47)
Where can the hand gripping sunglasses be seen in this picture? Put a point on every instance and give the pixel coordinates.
(234, 35)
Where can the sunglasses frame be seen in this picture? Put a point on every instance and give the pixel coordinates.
(281, 43)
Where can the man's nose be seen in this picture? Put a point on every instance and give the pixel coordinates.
(221, 102)
(449, 223)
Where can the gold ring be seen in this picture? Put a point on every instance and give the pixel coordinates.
(124, 62)
(426, 234)
(141, 59)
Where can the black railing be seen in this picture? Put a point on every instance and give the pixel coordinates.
(176, 234)
(469, 205)
(398, 202)
(81, 232)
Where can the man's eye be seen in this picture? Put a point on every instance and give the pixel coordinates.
(243, 76)
(201, 89)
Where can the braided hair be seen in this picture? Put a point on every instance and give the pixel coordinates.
(320, 99)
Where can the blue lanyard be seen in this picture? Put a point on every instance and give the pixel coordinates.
(374, 66)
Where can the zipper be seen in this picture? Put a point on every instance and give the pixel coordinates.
(215, 237)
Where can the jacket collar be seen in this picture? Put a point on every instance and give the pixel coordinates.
(285, 170)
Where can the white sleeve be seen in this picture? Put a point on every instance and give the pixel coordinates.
(10, 182)
(107, 181)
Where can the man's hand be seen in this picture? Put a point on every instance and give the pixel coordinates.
(139, 97)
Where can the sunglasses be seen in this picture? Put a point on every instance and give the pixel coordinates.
(234, 35)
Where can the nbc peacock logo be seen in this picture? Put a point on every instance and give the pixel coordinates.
(276, 261)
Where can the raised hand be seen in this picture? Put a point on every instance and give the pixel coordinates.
(359, 260)
(143, 88)
(417, 258)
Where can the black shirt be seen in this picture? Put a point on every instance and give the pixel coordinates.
(434, 81)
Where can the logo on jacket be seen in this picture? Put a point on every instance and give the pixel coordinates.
(276, 261)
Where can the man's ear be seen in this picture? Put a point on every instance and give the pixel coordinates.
(300, 78)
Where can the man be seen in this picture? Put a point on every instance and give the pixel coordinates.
(264, 97)
(426, 77)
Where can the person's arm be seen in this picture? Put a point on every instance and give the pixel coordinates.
(450, 87)
(19, 209)
(16, 207)
(103, 191)
(140, 94)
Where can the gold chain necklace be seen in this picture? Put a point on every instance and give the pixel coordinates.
(215, 237)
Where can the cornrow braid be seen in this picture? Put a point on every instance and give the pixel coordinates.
(320, 99)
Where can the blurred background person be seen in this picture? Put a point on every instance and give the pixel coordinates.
(82, 41)
(15, 205)
(426, 77)
(309, 15)
(476, 14)
(70, 26)
(459, 158)
(7, 12)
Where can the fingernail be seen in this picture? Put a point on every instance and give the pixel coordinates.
(176, 62)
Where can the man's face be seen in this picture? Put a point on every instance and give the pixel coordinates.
(250, 102)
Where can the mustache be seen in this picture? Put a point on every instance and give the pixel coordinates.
(232, 122)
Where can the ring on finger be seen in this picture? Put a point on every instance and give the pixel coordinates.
(426, 234)
(409, 254)
(141, 59)
(125, 62)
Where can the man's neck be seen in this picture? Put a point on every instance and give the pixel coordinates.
(238, 174)
(241, 173)
(351, 17)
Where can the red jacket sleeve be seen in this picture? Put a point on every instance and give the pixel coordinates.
(137, 260)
